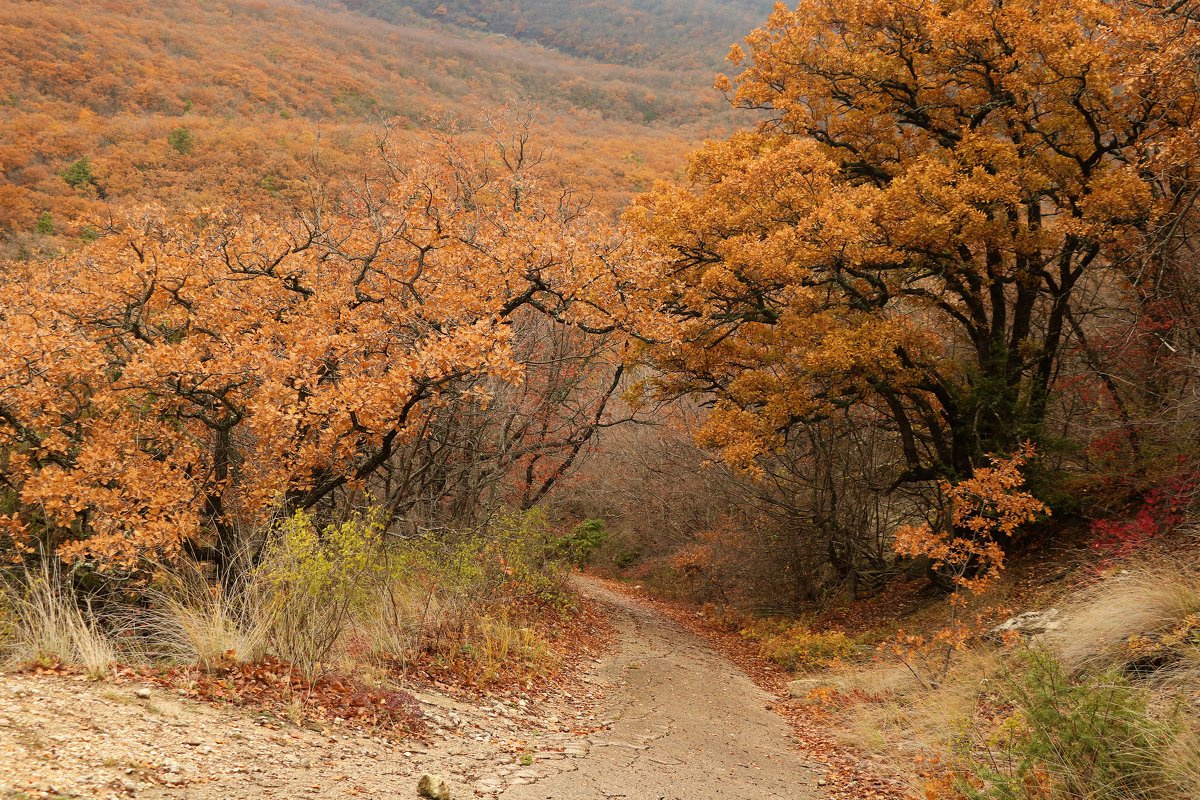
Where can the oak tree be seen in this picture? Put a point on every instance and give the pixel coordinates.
(182, 381)
(909, 229)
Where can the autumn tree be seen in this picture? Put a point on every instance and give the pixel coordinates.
(181, 382)
(910, 229)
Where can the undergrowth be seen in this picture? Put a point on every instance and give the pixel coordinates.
(315, 603)
(1103, 708)
(45, 621)
(795, 647)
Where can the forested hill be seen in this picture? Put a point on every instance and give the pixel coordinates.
(669, 33)
(246, 88)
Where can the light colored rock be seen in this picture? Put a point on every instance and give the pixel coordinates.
(434, 788)
(143, 693)
(1029, 624)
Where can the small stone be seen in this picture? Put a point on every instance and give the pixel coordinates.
(143, 693)
(434, 788)
(1028, 625)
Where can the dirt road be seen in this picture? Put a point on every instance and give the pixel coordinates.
(686, 724)
(660, 717)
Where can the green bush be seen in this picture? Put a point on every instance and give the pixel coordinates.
(45, 224)
(521, 557)
(464, 601)
(181, 141)
(794, 647)
(582, 543)
(1087, 739)
(79, 173)
(316, 581)
(515, 556)
(625, 557)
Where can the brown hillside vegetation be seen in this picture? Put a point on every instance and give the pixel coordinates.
(689, 34)
(252, 89)
(336, 337)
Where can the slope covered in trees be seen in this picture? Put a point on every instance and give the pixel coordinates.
(289, 352)
(177, 100)
(673, 34)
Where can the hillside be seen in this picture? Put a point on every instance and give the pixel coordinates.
(441, 397)
(256, 84)
(674, 35)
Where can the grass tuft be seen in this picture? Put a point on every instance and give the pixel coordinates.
(49, 623)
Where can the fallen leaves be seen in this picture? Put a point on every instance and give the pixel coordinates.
(279, 689)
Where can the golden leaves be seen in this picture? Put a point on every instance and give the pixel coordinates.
(983, 512)
(885, 233)
(179, 375)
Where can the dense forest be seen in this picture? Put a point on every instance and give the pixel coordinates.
(337, 336)
(673, 35)
(250, 91)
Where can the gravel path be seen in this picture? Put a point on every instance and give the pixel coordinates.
(660, 717)
(686, 724)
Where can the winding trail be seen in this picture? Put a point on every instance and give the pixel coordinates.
(661, 716)
(685, 723)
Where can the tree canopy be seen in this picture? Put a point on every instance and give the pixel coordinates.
(184, 379)
(909, 230)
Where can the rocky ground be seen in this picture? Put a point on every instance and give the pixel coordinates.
(661, 716)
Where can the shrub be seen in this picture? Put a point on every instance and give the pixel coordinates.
(1067, 740)
(626, 558)
(45, 224)
(979, 516)
(456, 601)
(1159, 510)
(795, 647)
(521, 559)
(79, 173)
(316, 581)
(584, 540)
(181, 141)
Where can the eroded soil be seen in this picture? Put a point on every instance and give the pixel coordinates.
(661, 716)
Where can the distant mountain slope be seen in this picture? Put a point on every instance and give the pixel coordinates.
(253, 56)
(255, 82)
(688, 34)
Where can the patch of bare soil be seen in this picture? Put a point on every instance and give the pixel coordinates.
(660, 716)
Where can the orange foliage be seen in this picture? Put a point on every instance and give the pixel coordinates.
(184, 378)
(982, 512)
(262, 85)
(910, 228)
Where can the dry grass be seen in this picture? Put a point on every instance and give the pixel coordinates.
(448, 631)
(1129, 649)
(908, 719)
(1181, 760)
(320, 601)
(1143, 602)
(49, 622)
(193, 620)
